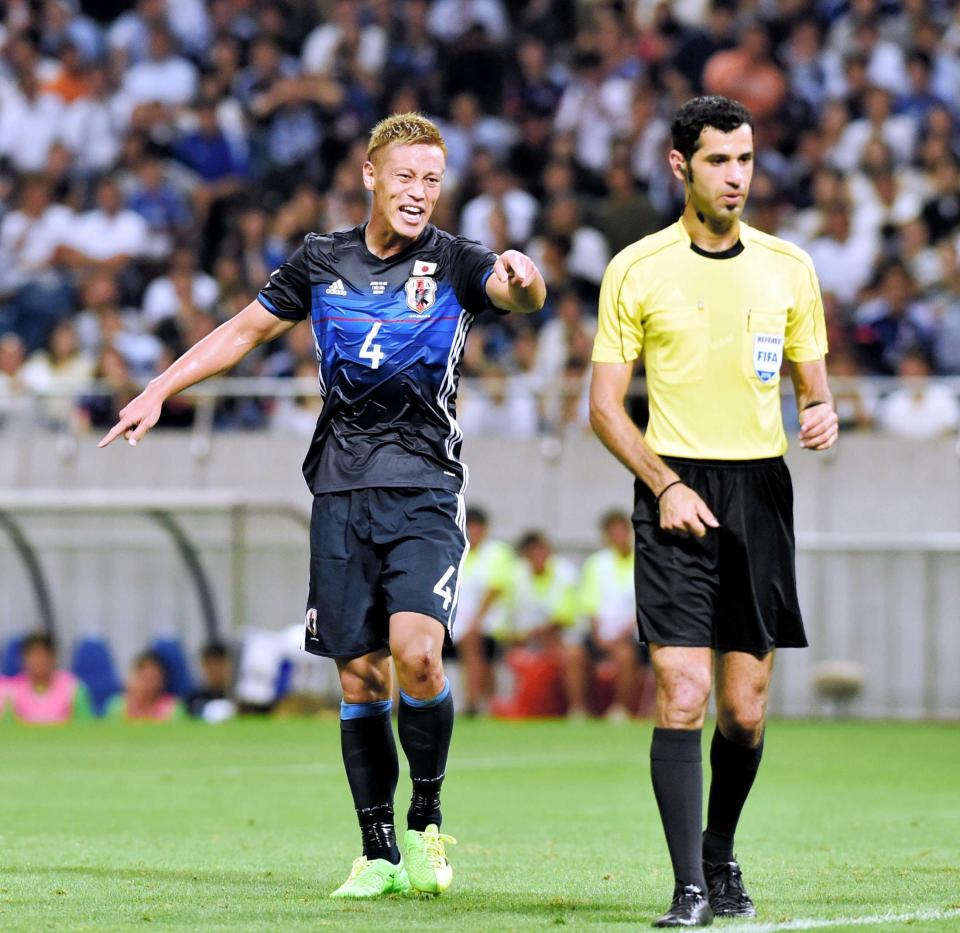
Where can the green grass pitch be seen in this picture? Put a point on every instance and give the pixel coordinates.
(249, 825)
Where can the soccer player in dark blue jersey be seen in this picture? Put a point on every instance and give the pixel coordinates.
(391, 303)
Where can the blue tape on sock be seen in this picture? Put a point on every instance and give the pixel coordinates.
(422, 704)
(364, 710)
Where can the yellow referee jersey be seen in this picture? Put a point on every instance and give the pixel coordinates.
(713, 333)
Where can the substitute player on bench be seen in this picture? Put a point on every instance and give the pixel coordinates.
(713, 306)
(391, 303)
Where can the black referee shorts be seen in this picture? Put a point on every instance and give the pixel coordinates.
(735, 589)
(374, 552)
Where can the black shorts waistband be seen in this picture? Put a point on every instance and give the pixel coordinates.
(757, 464)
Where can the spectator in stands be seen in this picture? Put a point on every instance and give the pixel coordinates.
(104, 323)
(941, 213)
(162, 298)
(36, 294)
(145, 697)
(344, 35)
(501, 196)
(854, 405)
(161, 204)
(93, 126)
(119, 389)
(543, 615)
(748, 73)
(61, 371)
(217, 684)
(595, 108)
(607, 600)
(588, 254)
(625, 214)
(43, 693)
(30, 124)
(496, 408)
(878, 122)
(893, 321)
(107, 237)
(163, 77)
(12, 356)
(218, 161)
(920, 409)
(485, 582)
(298, 415)
(287, 134)
(843, 258)
(568, 334)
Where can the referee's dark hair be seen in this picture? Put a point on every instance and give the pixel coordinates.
(720, 113)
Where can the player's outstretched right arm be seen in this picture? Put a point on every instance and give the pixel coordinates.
(218, 351)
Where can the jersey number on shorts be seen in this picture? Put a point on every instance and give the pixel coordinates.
(370, 350)
(441, 588)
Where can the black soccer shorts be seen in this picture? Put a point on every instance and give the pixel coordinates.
(735, 589)
(374, 552)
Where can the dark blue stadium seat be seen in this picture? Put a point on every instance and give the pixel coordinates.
(12, 662)
(93, 664)
(179, 678)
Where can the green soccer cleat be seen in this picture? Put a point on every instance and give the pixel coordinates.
(426, 861)
(374, 878)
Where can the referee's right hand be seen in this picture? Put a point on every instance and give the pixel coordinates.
(684, 513)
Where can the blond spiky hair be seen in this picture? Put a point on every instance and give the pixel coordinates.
(408, 129)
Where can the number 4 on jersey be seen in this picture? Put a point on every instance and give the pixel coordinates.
(370, 350)
(441, 588)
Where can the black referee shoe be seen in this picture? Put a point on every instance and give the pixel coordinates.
(689, 909)
(728, 896)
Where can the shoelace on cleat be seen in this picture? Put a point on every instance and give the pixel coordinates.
(434, 843)
(358, 866)
(731, 890)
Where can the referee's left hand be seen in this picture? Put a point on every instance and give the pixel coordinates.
(819, 427)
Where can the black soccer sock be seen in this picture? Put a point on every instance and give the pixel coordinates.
(425, 728)
(677, 771)
(733, 768)
(370, 757)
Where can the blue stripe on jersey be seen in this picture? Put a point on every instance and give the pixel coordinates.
(267, 303)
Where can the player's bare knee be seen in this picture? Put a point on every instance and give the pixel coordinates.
(420, 670)
(366, 684)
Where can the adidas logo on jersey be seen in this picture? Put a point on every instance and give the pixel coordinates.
(337, 289)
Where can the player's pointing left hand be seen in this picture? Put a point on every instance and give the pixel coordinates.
(516, 283)
(514, 268)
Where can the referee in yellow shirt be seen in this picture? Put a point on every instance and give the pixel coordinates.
(713, 307)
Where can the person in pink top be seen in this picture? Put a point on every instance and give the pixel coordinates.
(42, 693)
(146, 697)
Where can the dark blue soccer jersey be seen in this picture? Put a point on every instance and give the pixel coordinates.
(390, 335)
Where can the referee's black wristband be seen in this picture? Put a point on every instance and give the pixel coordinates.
(676, 482)
(814, 405)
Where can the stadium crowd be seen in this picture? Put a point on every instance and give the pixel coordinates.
(158, 159)
(536, 635)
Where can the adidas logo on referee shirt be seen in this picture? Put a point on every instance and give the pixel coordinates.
(336, 288)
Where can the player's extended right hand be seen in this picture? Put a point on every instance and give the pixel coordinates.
(684, 513)
(135, 419)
